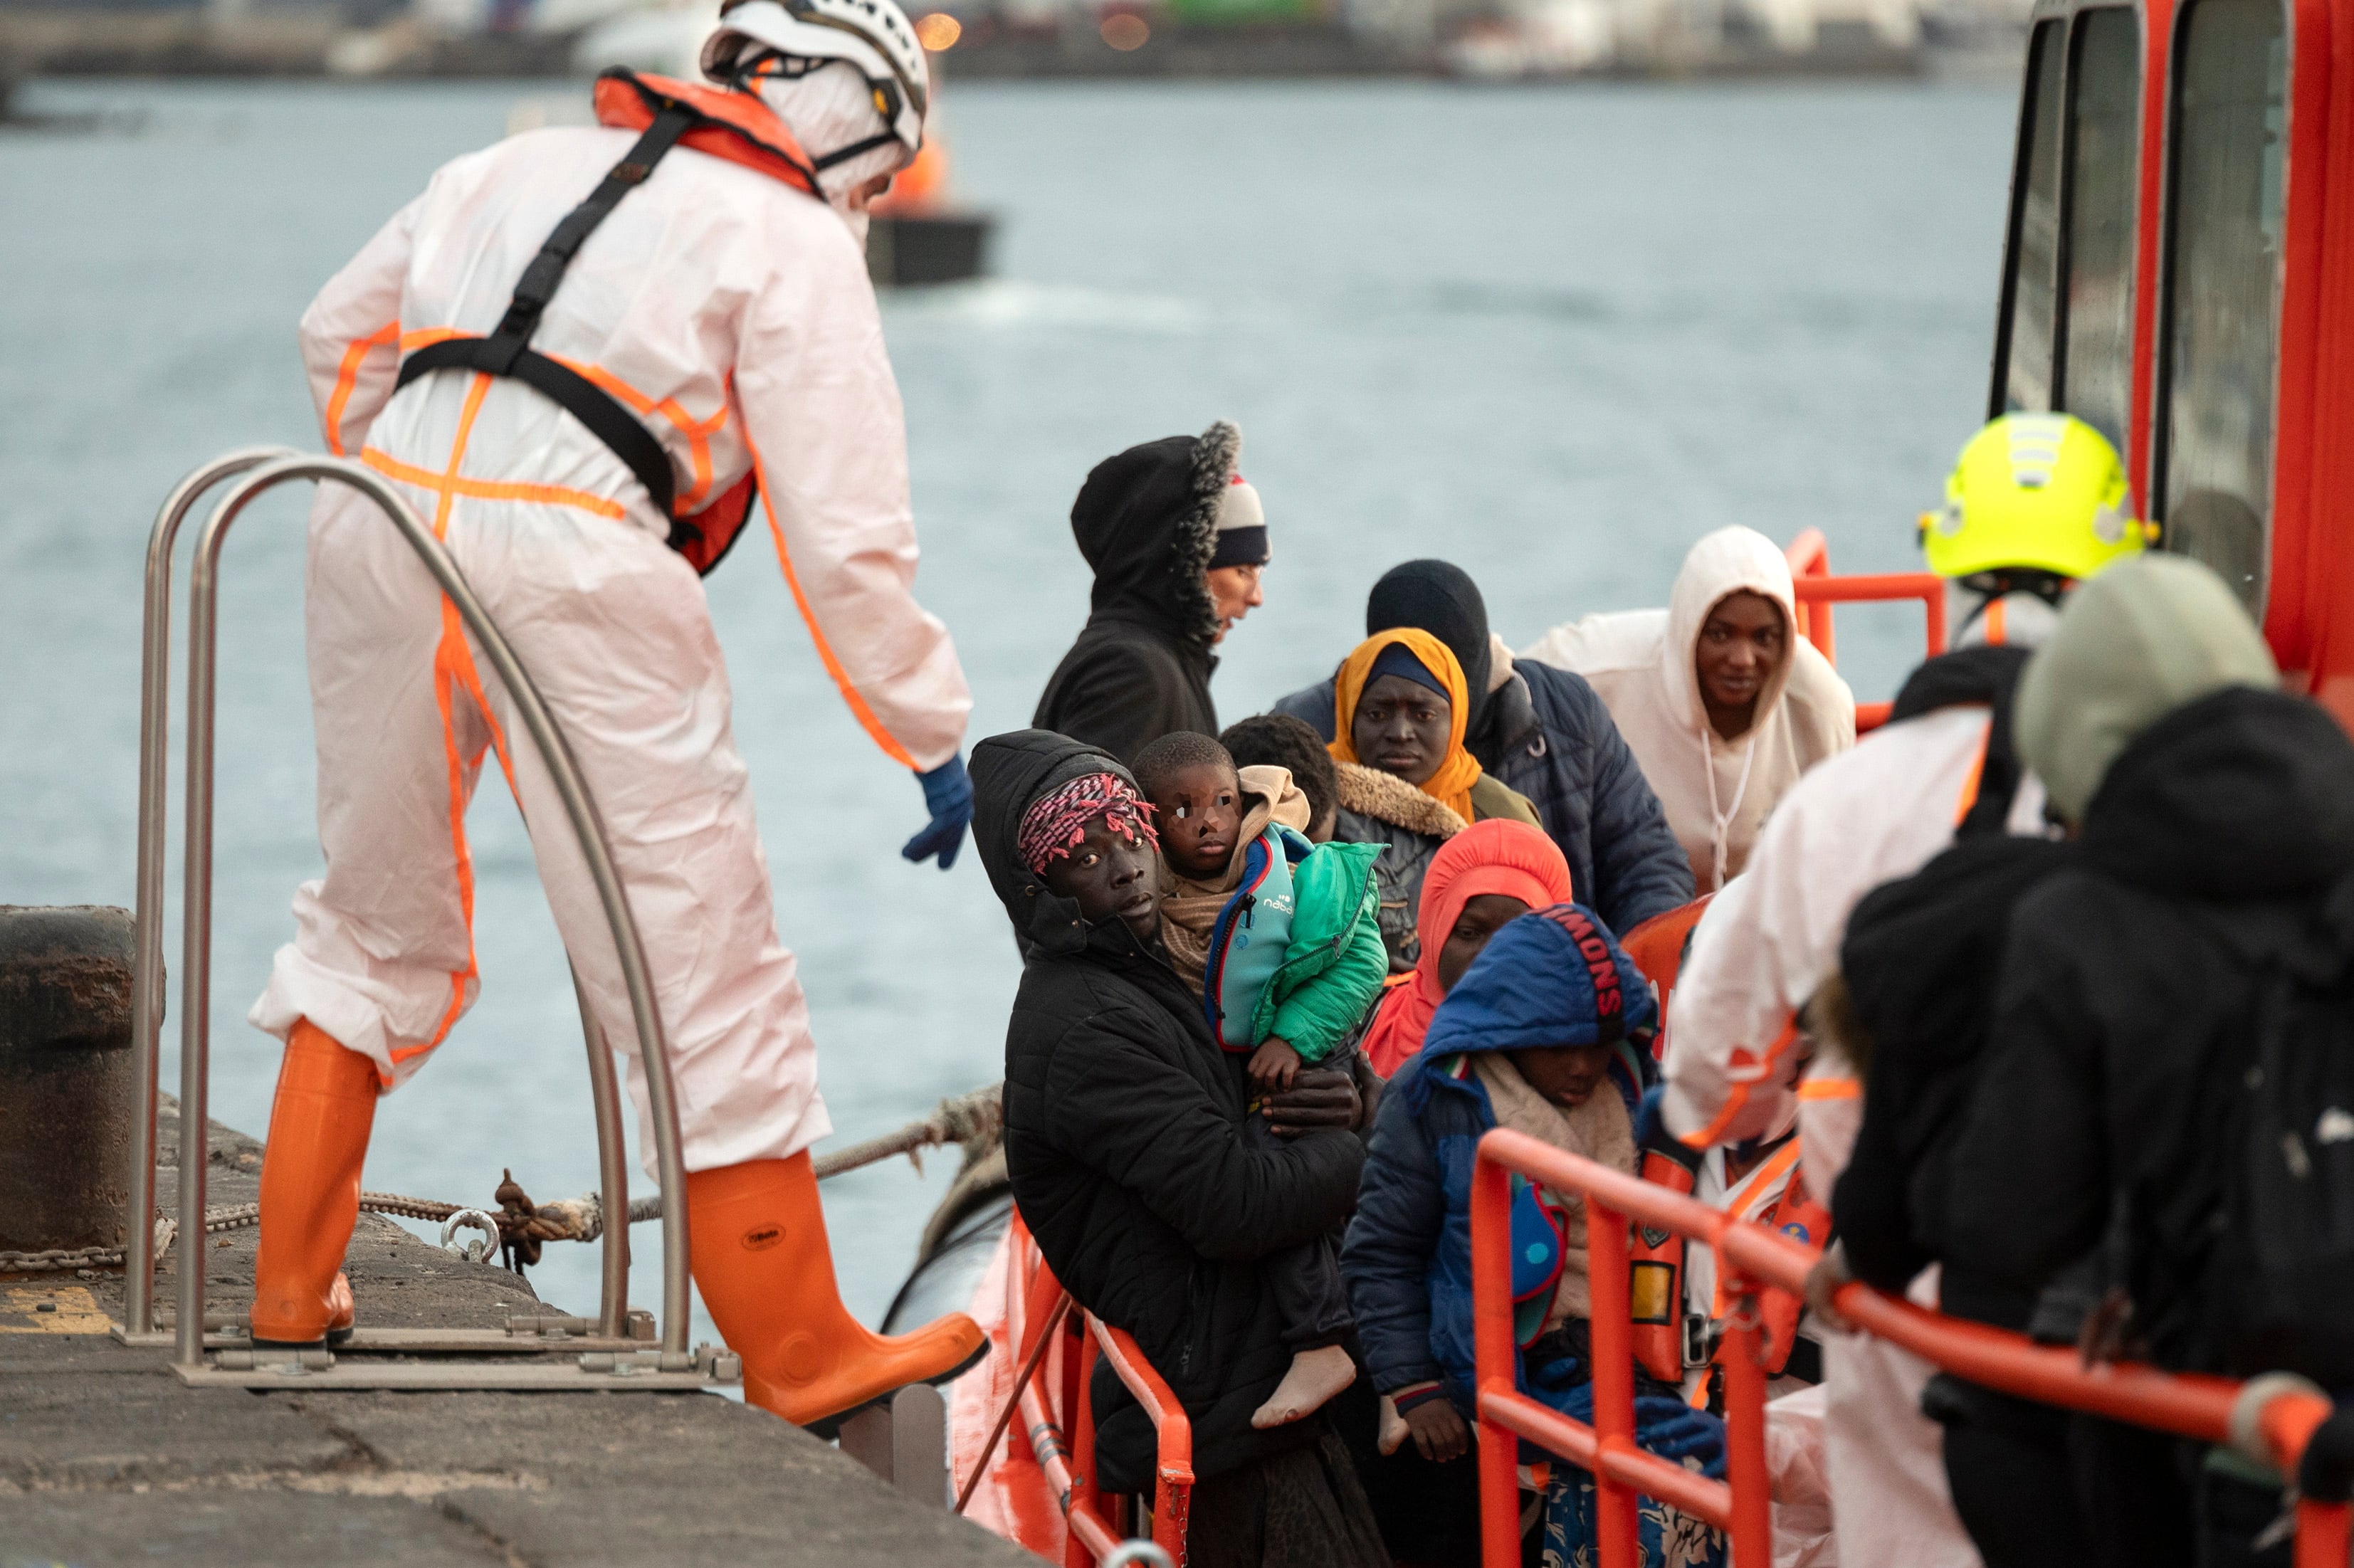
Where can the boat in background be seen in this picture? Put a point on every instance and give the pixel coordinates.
(917, 233)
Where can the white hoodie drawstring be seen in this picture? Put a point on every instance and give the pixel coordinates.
(1723, 818)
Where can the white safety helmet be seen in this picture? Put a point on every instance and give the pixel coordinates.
(794, 37)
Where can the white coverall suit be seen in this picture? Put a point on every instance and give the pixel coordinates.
(1854, 822)
(733, 313)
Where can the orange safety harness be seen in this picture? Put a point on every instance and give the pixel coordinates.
(735, 126)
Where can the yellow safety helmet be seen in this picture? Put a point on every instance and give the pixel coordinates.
(2040, 491)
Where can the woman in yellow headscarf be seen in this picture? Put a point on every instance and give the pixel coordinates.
(1400, 703)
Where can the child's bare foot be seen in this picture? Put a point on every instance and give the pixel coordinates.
(1315, 1376)
(1272, 1065)
(1394, 1432)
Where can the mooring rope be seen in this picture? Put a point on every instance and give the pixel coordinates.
(969, 1118)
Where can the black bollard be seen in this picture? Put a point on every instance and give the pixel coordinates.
(64, 1075)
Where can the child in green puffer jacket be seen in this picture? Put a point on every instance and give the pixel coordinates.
(1282, 940)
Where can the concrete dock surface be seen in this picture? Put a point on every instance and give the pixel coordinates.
(105, 1457)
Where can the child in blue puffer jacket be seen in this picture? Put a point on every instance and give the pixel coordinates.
(1536, 1038)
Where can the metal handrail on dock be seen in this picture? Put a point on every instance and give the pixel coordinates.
(267, 467)
(2272, 1417)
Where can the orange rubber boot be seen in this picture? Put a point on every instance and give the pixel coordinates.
(765, 1273)
(319, 1127)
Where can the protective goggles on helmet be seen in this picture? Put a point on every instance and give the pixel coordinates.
(765, 39)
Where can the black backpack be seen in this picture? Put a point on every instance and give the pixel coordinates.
(2281, 1280)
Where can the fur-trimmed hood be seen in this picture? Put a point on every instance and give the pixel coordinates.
(1370, 792)
(1146, 521)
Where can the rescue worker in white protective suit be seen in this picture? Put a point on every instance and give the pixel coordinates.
(2036, 502)
(582, 396)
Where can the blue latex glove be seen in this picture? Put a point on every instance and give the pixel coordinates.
(948, 795)
(1674, 1430)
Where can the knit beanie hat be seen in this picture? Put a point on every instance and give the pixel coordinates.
(1241, 527)
(2148, 635)
(1439, 597)
(828, 109)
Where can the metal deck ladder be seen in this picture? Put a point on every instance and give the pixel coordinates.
(539, 1352)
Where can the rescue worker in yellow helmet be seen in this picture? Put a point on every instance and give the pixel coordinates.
(587, 354)
(2036, 502)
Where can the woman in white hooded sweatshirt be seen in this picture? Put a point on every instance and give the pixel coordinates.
(1720, 699)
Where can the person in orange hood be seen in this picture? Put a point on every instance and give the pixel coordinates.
(584, 352)
(1481, 878)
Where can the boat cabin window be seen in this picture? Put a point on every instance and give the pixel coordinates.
(2066, 337)
(2093, 376)
(2222, 288)
(2034, 251)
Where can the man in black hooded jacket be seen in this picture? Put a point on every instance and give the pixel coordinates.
(1545, 733)
(2213, 817)
(1176, 541)
(1124, 1142)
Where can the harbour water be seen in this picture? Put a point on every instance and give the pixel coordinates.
(1554, 335)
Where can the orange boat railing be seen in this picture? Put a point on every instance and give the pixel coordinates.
(1753, 1259)
(1817, 590)
(1058, 1419)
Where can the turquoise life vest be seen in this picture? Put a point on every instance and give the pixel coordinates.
(1248, 940)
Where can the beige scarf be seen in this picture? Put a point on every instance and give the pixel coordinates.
(1189, 909)
(1598, 1130)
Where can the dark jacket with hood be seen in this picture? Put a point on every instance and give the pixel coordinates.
(2127, 1005)
(1545, 733)
(1124, 1141)
(1146, 521)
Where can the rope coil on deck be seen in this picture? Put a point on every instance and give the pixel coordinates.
(966, 1119)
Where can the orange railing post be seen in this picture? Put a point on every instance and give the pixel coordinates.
(2322, 1536)
(1810, 556)
(1087, 1493)
(1172, 1489)
(1615, 1514)
(2284, 1415)
(1824, 592)
(1491, 1329)
(1744, 1430)
(1622, 1471)
(1816, 590)
(1054, 1400)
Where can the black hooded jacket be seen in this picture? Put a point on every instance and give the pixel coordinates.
(1124, 1140)
(2127, 1003)
(1146, 521)
(1545, 734)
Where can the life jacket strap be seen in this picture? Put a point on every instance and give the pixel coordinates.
(705, 537)
(606, 420)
